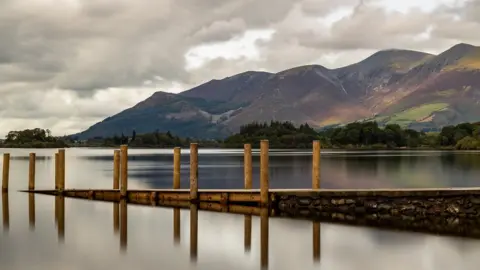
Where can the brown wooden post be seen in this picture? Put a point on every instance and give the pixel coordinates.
(264, 174)
(57, 171)
(176, 167)
(31, 172)
(316, 241)
(123, 170)
(247, 165)
(193, 171)
(116, 169)
(316, 165)
(6, 171)
(61, 169)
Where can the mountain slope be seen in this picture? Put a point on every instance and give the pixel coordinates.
(414, 89)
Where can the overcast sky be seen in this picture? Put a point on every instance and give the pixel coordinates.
(66, 64)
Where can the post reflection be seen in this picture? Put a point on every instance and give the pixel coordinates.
(193, 231)
(264, 218)
(176, 226)
(248, 232)
(116, 218)
(123, 225)
(31, 210)
(5, 212)
(60, 211)
(316, 241)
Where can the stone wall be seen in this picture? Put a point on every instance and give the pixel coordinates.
(447, 211)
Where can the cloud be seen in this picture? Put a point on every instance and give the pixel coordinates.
(51, 50)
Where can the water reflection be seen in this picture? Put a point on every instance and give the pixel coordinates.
(176, 226)
(248, 232)
(264, 237)
(5, 211)
(123, 225)
(116, 217)
(60, 214)
(193, 231)
(31, 211)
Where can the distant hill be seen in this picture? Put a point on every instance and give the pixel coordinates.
(414, 89)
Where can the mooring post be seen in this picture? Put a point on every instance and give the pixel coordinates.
(316, 165)
(123, 170)
(264, 175)
(31, 172)
(176, 167)
(57, 170)
(116, 169)
(6, 171)
(247, 165)
(193, 171)
(61, 178)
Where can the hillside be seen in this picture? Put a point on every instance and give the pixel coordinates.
(414, 89)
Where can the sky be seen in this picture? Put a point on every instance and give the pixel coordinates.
(67, 64)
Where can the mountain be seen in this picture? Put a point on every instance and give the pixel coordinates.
(410, 88)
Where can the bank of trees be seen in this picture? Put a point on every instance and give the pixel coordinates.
(32, 138)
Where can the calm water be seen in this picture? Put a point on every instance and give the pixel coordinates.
(86, 235)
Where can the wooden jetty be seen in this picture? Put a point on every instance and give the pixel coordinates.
(444, 210)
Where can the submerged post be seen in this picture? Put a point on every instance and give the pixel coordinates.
(247, 165)
(264, 172)
(31, 172)
(176, 167)
(123, 170)
(6, 171)
(57, 171)
(61, 169)
(193, 171)
(316, 165)
(116, 169)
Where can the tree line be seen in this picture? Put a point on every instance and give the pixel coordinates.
(32, 138)
(357, 135)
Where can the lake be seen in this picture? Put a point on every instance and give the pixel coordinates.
(82, 234)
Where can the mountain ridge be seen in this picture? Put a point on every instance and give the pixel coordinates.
(411, 88)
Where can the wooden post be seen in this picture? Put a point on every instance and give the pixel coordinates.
(176, 225)
(193, 171)
(176, 167)
(124, 170)
(247, 165)
(6, 171)
(57, 171)
(116, 169)
(316, 165)
(61, 169)
(31, 172)
(264, 172)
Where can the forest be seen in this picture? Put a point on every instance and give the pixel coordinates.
(281, 135)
